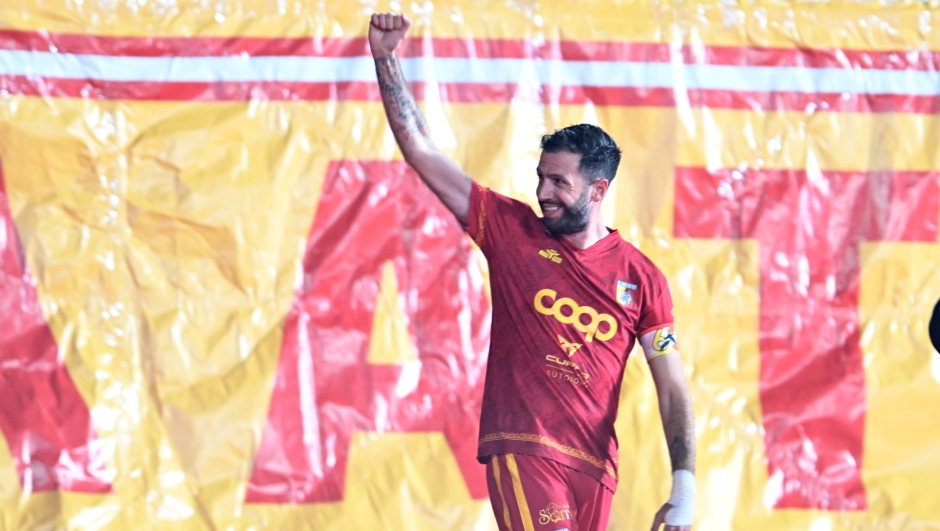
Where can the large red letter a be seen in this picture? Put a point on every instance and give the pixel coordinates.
(325, 389)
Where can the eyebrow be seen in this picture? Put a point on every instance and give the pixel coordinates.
(540, 174)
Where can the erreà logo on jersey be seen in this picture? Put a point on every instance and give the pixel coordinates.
(567, 311)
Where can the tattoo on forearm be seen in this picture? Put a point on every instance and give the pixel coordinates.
(403, 114)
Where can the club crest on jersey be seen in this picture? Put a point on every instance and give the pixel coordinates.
(625, 292)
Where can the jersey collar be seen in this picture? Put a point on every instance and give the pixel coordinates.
(605, 243)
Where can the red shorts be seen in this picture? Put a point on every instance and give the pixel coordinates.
(530, 493)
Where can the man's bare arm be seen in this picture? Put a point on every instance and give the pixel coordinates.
(675, 407)
(442, 175)
(400, 107)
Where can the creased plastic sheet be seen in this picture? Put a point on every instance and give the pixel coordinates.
(225, 302)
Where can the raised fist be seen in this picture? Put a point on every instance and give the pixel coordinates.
(386, 31)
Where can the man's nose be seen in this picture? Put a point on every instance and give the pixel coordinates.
(543, 191)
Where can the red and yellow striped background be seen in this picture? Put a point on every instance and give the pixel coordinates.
(227, 304)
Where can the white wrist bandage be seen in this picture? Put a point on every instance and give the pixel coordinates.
(682, 499)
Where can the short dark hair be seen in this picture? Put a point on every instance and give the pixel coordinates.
(600, 155)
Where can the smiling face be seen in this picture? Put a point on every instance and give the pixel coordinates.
(563, 193)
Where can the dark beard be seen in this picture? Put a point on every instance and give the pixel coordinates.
(574, 217)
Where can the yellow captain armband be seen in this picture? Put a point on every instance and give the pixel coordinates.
(658, 342)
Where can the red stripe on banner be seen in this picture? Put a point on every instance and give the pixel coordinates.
(812, 379)
(181, 46)
(188, 91)
(469, 93)
(43, 41)
(809, 102)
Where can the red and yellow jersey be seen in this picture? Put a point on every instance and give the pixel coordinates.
(564, 323)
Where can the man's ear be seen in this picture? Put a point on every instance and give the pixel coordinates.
(599, 189)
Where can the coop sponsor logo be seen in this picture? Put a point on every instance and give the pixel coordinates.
(584, 318)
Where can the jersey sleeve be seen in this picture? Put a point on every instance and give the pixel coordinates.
(656, 326)
(492, 217)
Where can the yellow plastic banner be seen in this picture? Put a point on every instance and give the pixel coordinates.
(226, 303)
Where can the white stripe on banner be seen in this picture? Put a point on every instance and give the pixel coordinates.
(461, 70)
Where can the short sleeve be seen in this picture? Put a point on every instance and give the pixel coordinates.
(476, 218)
(657, 309)
(656, 320)
(494, 218)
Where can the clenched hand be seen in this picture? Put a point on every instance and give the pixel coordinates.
(386, 31)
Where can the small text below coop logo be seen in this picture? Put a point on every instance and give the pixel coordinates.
(567, 311)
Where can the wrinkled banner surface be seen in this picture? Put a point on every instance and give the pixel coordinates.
(225, 302)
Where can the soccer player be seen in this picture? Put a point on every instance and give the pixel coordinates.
(570, 298)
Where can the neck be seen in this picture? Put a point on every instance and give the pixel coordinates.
(595, 232)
